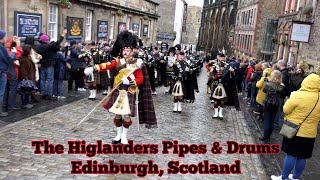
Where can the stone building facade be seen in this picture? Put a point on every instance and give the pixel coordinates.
(190, 37)
(90, 20)
(310, 51)
(217, 25)
(255, 28)
(172, 21)
(292, 51)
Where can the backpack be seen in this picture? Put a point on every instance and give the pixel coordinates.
(272, 99)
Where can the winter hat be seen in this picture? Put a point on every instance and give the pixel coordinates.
(2, 34)
(44, 38)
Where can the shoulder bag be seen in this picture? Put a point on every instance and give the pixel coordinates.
(289, 129)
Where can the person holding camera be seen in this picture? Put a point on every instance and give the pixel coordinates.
(48, 51)
(5, 61)
(12, 45)
(273, 90)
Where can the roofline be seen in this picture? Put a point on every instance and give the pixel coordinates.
(150, 1)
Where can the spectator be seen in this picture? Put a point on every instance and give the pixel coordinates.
(249, 72)
(297, 78)
(35, 59)
(13, 44)
(282, 66)
(84, 57)
(302, 107)
(240, 75)
(74, 62)
(273, 90)
(59, 72)
(261, 95)
(5, 59)
(47, 64)
(255, 77)
(27, 73)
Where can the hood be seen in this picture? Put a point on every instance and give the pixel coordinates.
(311, 83)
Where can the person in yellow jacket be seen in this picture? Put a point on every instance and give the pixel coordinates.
(261, 95)
(304, 102)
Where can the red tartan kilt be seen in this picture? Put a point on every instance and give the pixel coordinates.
(113, 98)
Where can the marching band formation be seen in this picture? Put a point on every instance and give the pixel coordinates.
(132, 74)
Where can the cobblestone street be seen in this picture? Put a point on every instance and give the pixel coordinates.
(193, 126)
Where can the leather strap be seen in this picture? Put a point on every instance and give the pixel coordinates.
(311, 110)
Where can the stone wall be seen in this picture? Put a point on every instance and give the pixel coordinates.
(270, 9)
(139, 10)
(311, 50)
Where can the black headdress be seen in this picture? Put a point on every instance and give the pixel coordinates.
(124, 40)
(178, 47)
(172, 50)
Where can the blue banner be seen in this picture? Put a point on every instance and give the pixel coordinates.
(135, 28)
(102, 29)
(27, 24)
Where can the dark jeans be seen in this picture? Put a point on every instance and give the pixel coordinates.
(25, 99)
(58, 87)
(73, 78)
(3, 84)
(239, 85)
(10, 94)
(47, 75)
(80, 78)
(254, 92)
(279, 114)
(269, 116)
(249, 90)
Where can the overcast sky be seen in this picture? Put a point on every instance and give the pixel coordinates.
(195, 2)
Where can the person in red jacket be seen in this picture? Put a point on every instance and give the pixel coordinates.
(249, 72)
(12, 45)
(130, 74)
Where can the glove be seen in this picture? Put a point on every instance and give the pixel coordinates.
(139, 62)
(88, 71)
(17, 62)
(132, 77)
(14, 50)
(125, 81)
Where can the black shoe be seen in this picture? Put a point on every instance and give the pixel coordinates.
(264, 139)
(116, 142)
(179, 112)
(174, 111)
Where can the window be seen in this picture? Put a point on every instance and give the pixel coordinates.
(128, 23)
(112, 26)
(149, 33)
(53, 22)
(89, 25)
(140, 27)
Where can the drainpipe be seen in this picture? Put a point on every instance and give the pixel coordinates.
(5, 14)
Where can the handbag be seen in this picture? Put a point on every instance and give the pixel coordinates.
(289, 129)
